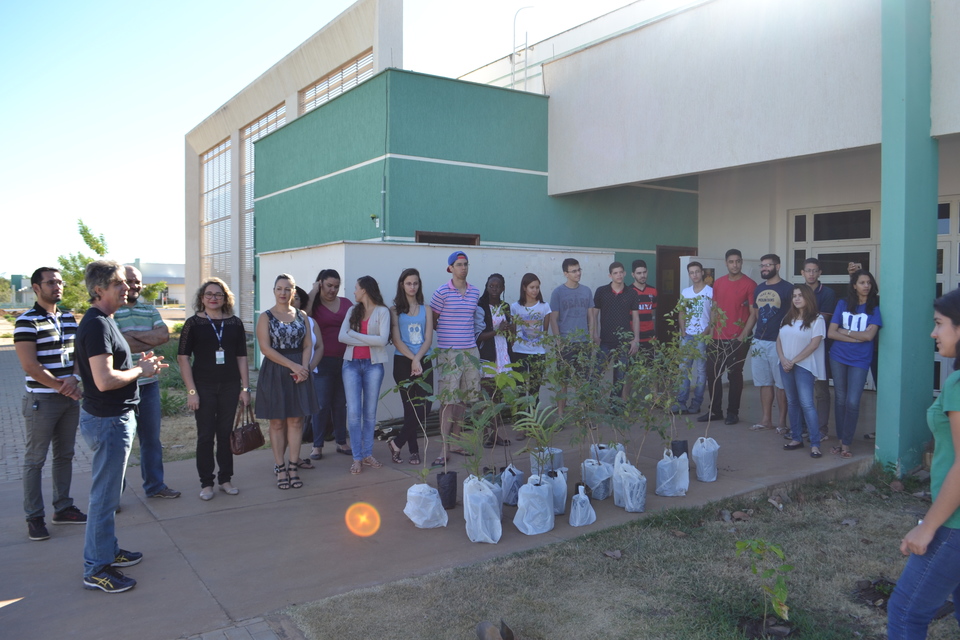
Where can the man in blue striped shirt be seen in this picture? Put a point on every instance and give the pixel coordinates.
(453, 306)
(44, 341)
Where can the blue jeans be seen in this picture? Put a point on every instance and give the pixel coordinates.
(924, 585)
(328, 385)
(148, 432)
(110, 440)
(698, 373)
(798, 384)
(361, 385)
(54, 421)
(848, 384)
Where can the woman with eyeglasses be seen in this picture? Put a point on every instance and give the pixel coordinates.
(216, 379)
(282, 396)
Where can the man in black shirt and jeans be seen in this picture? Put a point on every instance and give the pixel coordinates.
(618, 307)
(107, 421)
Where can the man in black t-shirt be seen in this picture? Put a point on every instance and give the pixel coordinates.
(107, 421)
(618, 329)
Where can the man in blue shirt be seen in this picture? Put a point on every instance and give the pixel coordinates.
(771, 299)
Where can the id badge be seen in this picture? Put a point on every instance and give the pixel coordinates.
(66, 357)
(220, 357)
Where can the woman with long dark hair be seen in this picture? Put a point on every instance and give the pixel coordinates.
(366, 332)
(933, 569)
(328, 311)
(412, 332)
(530, 315)
(853, 328)
(800, 348)
(216, 379)
(283, 398)
(492, 343)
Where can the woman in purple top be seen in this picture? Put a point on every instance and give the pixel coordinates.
(853, 328)
(329, 310)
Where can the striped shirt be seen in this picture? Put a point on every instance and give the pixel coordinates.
(139, 317)
(648, 307)
(455, 316)
(54, 336)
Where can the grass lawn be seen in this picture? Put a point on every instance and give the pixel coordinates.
(677, 576)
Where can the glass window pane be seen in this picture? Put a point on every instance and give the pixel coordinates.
(799, 255)
(835, 264)
(936, 374)
(800, 229)
(939, 261)
(943, 218)
(841, 225)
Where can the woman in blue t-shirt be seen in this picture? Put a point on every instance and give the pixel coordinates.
(933, 570)
(853, 328)
(412, 332)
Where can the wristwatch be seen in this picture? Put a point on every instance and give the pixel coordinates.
(244, 389)
(191, 392)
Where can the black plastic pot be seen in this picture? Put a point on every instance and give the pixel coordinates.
(447, 486)
(678, 447)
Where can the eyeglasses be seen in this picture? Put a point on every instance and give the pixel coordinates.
(53, 283)
(766, 266)
(215, 296)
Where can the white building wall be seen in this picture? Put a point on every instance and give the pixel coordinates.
(726, 84)
(385, 260)
(945, 60)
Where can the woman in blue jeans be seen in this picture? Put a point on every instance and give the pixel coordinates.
(800, 349)
(933, 569)
(365, 331)
(853, 328)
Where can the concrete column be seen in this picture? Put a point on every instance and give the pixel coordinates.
(191, 235)
(236, 188)
(908, 232)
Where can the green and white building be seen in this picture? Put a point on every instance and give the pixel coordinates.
(663, 129)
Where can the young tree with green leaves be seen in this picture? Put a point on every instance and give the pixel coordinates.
(73, 267)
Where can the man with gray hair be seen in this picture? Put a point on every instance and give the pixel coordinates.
(108, 421)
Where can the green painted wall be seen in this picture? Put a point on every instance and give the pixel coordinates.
(449, 120)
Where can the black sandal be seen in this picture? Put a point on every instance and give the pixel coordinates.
(295, 481)
(394, 452)
(282, 483)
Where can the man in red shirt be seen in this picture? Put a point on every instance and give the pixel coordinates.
(647, 307)
(733, 295)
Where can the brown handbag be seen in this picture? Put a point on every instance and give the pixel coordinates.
(246, 434)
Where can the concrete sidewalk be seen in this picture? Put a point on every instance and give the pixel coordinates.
(228, 567)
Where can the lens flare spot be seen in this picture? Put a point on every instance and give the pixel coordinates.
(362, 519)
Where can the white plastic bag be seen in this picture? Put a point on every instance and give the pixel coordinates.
(481, 510)
(606, 452)
(558, 485)
(629, 485)
(424, 508)
(546, 459)
(599, 477)
(673, 475)
(705, 451)
(581, 511)
(534, 508)
(511, 480)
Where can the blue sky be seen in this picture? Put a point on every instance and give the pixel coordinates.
(97, 97)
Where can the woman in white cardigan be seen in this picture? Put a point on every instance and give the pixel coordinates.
(365, 331)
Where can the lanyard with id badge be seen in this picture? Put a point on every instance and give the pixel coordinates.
(221, 356)
(66, 353)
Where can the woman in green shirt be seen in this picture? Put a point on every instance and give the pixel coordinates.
(933, 569)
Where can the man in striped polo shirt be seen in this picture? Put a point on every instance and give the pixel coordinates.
(453, 306)
(143, 329)
(44, 341)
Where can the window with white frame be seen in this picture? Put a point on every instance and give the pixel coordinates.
(215, 224)
(268, 122)
(330, 86)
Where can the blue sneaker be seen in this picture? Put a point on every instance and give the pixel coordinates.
(127, 558)
(109, 580)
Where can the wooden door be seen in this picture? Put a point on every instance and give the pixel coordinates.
(668, 284)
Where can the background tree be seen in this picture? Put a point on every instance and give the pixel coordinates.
(152, 291)
(6, 290)
(72, 268)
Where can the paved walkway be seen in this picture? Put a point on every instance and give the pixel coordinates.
(228, 568)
